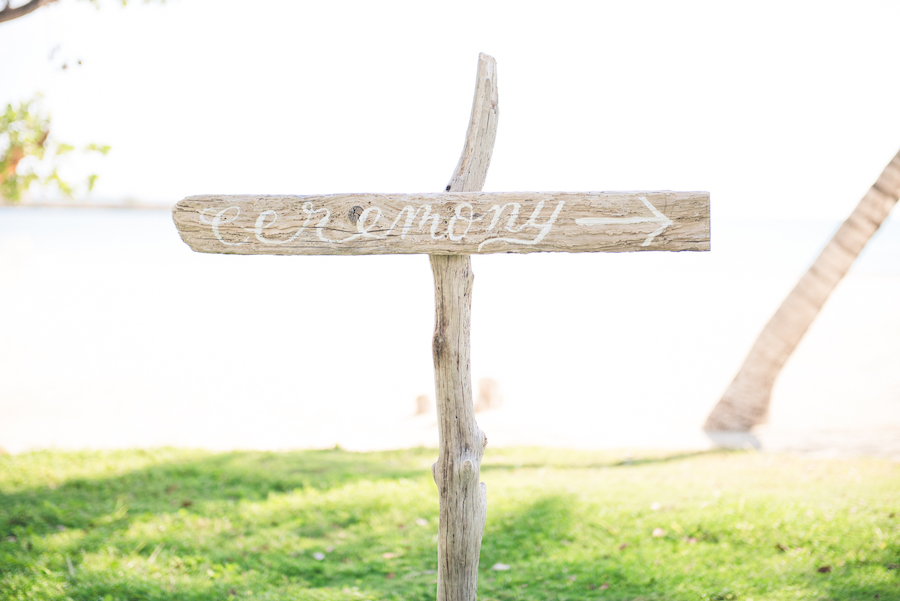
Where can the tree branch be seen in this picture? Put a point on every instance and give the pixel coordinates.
(8, 13)
(463, 498)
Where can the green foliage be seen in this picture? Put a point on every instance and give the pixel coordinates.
(29, 155)
(173, 524)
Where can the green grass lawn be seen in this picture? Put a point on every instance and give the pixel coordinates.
(180, 524)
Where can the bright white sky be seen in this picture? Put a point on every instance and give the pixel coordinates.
(778, 109)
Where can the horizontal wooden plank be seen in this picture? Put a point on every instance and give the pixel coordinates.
(445, 223)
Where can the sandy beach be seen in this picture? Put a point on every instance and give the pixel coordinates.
(116, 335)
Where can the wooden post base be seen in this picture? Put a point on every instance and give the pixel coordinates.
(463, 498)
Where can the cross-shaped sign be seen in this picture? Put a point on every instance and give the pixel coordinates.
(449, 226)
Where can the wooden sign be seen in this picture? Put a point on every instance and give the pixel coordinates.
(449, 226)
(450, 223)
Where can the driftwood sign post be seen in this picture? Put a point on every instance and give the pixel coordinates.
(449, 226)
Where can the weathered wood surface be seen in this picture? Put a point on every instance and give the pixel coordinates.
(453, 223)
(457, 472)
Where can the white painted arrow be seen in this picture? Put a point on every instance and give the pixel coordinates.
(657, 218)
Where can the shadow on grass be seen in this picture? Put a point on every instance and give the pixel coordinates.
(162, 514)
(526, 530)
(575, 463)
(166, 487)
(338, 525)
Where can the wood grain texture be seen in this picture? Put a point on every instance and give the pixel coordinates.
(471, 170)
(457, 472)
(456, 223)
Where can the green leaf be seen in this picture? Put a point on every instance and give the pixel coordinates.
(25, 134)
(101, 148)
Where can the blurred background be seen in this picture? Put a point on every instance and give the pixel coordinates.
(114, 334)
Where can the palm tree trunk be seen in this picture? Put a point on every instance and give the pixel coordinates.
(746, 402)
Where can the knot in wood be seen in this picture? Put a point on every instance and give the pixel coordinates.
(437, 345)
(354, 214)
